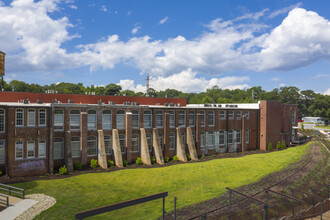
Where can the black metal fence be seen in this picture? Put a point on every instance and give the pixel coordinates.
(12, 191)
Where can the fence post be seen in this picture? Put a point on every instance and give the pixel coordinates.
(163, 208)
(9, 192)
(265, 217)
(229, 211)
(174, 208)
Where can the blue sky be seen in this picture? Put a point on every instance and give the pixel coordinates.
(187, 45)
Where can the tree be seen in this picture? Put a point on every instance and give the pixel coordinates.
(207, 100)
(112, 89)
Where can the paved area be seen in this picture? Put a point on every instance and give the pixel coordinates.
(16, 207)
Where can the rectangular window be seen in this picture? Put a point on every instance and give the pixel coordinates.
(161, 140)
(238, 136)
(172, 119)
(230, 115)
(106, 120)
(184, 139)
(222, 138)
(210, 139)
(247, 136)
(108, 144)
(75, 147)
(42, 117)
(247, 115)
(2, 151)
(135, 142)
(19, 117)
(91, 146)
(238, 115)
(2, 120)
(202, 139)
(42, 149)
(182, 119)
(58, 119)
(19, 150)
(230, 137)
(222, 115)
(159, 119)
(31, 149)
(172, 140)
(192, 120)
(202, 118)
(91, 120)
(58, 148)
(122, 143)
(149, 140)
(74, 119)
(31, 117)
(147, 119)
(135, 119)
(211, 118)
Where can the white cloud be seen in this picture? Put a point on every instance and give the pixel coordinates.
(327, 92)
(73, 7)
(163, 20)
(284, 10)
(104, 8)
(135, 30)
(275, 79)
(282, 85)
(187, 81)
(2, 3)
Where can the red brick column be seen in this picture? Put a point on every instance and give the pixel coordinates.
(83, 137)
(128, 136)
(166, 134)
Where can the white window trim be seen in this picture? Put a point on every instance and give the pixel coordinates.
(238, 115)
(28, 117)
(145, 122)
(62, 150)
(203, 118)
(172, 134)
(4, 120)
(94, 141)
(213, 119)
(21, 147)
(124, 120)
(90, 128)
(29, 144)
(231, 118)
(107, 122)
(232, 136)
(2, 149)
(75, 129)
(22, 125)
(224, 115)
(39, 149)
(138, 143)
(222, 133)
(172, 114)
(62, 123)
(138, 119)
(157, 119)
(110, 147)
(240, 135)
(184, 121)
(193, 114)
(78, 147)
(39, 113)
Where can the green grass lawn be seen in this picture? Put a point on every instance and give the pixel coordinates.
(323, 127)
(190, 183)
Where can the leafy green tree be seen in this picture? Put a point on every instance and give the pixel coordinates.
(112, 89)
(207, 100)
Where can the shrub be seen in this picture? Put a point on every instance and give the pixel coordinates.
(283, 145)
(0, 173)
(138, 161)
(98, 171)
(188, 157)
(153, 160)
(77, 165)
(111, 163)
(93, 163)
(125, 163)
(278, 146)
(302, 127)
(270, 146)
(63, 170)
(166, 159)
(175, 158)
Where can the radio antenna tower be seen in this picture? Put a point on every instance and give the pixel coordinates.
(148, 78)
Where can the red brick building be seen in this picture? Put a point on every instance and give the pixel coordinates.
(41, 132)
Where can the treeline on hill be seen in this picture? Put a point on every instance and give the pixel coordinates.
(309, 102)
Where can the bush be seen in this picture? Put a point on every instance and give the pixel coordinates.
(77, 165)
(111, 163)
(63, 170)
(270, 146)
(93, 163)
(278, 146)
(166, 159)
(153, 160)
(302, 127)
(125, 163)
(202, 157)
(188, 157)
(175, 158)
(283, 145)
(138, 161)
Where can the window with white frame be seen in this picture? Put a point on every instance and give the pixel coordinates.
(192, 119)
(74, 119)
(120, 119)
(211, 118)
(202, 118)
(19, 150)
(238, 115)
(58, 119)
(230, 137)
(182, 119)
(91, 120)
(159, 119)
(222, 137)
(31, 117)
(238, 136)
(2, 151)
(19, 117)
(222, 115)
(135, 119)
(247, 115)
(58, 148)
(122, 143)
(210, 139)
(172, 119)
(108, 144)
(161, 140)
(149, 141)
(147, 123)
(31, 149)
(106, 120)
(42, 117)
(135, 142)
(172, 141)
(247, 136)
(2, 120)
(75, 146)
(230, 115)
(42, 149)
(202, 139)
(91, 146)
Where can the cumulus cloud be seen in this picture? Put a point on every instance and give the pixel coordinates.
(327, 92)
(135, 30)
(187, 81)
(284, 10)
(163, 20)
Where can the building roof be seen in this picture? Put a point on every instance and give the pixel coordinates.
(2, 52)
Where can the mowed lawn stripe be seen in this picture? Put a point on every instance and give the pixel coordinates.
(190, 183)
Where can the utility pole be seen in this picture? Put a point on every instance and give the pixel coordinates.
(148, 79)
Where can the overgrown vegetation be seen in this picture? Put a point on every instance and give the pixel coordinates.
(111, 163)
(138, 161)
(175, 158)
(270, 146)
(63, 170)
(94, 163)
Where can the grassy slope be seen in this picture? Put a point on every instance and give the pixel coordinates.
(190, 183)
